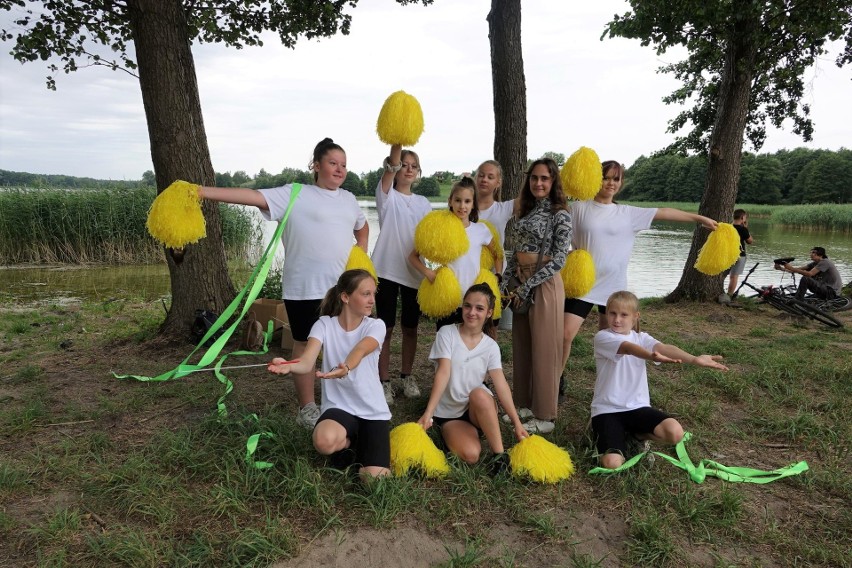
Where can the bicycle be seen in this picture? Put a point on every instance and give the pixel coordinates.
(780, 300)
(835, 304)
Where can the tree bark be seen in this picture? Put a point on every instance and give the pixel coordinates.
(510, 95)
(726, 144)
(199, 273)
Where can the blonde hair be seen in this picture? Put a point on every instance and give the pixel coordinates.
(623, 298)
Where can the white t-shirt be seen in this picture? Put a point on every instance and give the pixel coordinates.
(498, 215)
(607, 232)
(467, 266)
(398, 217)
(622, 381)
(468, 368)
(359, 393)
(317, 238)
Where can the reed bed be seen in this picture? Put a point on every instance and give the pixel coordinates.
(93, 226)
(836, 217)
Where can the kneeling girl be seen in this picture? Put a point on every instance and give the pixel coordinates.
(354, 413)
(460, 403)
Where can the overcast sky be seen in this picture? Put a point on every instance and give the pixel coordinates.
(267, 107)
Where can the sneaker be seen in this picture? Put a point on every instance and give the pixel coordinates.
(308, 416)
(536, 426)
(410, 388)
(523, 414)
(386, 386)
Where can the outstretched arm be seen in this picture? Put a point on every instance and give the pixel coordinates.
(361, 350)
(306, 364)
(234, 195)
(674, 352)
(669, 214)
(636, 350)
(442, 379)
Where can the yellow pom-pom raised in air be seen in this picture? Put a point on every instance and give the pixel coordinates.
(411, 448)
(442, 297)
(400, 120)
(540, 460)
(440, 237)
(720, 252)
(486, 259)
(488, 277)
(581, 174)
(578, 274)
(175, 217)
(359, 259)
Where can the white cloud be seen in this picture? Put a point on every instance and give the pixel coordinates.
(267, 107)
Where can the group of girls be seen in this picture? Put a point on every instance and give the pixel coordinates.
(329, 309)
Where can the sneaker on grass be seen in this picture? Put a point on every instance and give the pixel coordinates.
(523, 414)
(386, 386)
(308, 416)
(536, 426)
(410, 388)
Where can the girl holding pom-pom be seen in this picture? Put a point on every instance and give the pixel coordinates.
(354, 426)
(317, 240)
(465, 355)
(462, 202)
(607, 230)
(489, 179)
(399, 212)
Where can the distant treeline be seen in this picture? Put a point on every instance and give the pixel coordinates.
(785, 177)
(45, 181)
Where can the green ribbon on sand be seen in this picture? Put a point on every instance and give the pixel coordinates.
(709, 468)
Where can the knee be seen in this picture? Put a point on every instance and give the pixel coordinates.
(480, 399)
(469, 453)
(612, 461)
(670, 431)
(326, 442)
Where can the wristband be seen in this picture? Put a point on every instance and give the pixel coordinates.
(390, 168)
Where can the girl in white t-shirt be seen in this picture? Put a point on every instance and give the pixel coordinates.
(463, 203)
(354, 426)
(317, 241)
(460, 403)
(399, 212)
(489, 179)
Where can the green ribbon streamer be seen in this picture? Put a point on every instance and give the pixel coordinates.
(251, 447)
(711, 468)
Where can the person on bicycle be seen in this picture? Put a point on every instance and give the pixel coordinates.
(819, 276)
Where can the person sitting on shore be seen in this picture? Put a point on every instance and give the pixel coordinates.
(819, 276)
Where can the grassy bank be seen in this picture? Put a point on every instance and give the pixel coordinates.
(97, 471)
(99, 225)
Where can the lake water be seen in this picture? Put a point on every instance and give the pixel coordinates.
(655, 267)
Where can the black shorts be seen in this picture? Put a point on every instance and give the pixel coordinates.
(581, 308)
(302, 315)
(465, 417)
(369, 438)
(386, 296)
(611, 429)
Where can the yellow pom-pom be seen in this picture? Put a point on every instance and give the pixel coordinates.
(540, 460)
(440, 298)
(400, 120)
(486, 259)
(359, 259)
(175, 217)
(578, 274)
(485, 275)
(411, 448)
(440, 237)
(720, 252)
(581, 174)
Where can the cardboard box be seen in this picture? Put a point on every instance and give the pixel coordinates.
(266, 310)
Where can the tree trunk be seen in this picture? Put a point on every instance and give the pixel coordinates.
(199, 273)
(723, 168)
(510, 95)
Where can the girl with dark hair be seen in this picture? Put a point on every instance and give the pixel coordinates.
(399, 212)
(542, 240)
(354, 425)
(460, 403)
(317, 240)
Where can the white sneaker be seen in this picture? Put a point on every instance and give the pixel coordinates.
(523, 414)
(308, 416)
(536, 426)
(386, 386)
(410, 388)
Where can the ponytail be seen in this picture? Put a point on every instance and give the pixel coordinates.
(332, 304)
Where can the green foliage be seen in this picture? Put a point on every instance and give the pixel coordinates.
(354, 184)
(556, 157)
(830, 217)
(428, 187)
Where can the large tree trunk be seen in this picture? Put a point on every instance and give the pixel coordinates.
(723, 168)
(199, 274)
(510, 93)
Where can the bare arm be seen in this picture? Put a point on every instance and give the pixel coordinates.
(395, 160)
(439, 385)
(669, 214)
(504, 395)
(676, 353)
(306, 364)
(414, 260)
(498, 259)
(234, 195)
(362, 236)
(361, 350)
(803, 270)
(636, 350)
